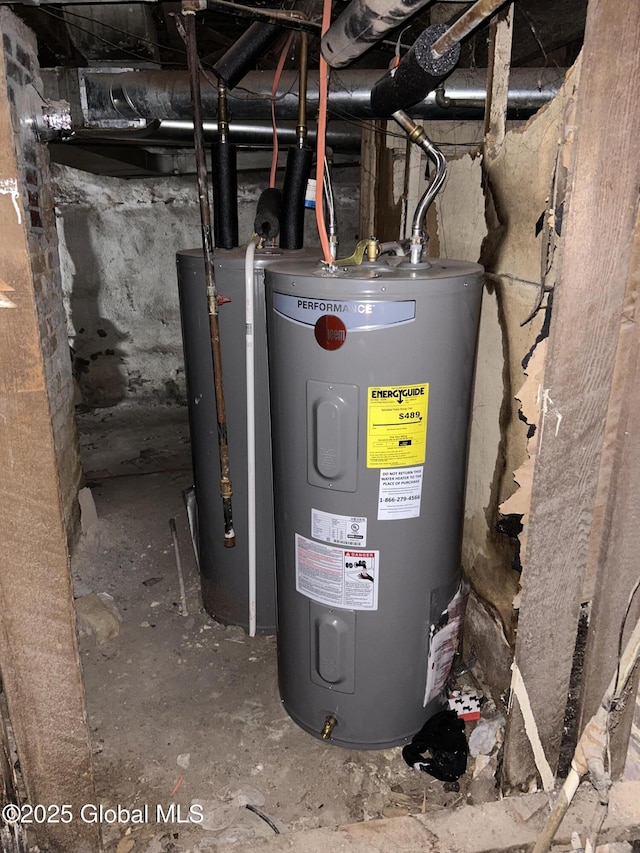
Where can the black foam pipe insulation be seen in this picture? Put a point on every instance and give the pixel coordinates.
(417, 74)
(296, 177)
(267, 221)
(245, 52)
(225, 194)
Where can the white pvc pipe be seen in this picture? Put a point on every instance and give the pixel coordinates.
(249, 285)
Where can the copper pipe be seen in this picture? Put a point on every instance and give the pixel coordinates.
(302, 89)
(223, 114)
(288, 18)
(464, 25)
(212, 294)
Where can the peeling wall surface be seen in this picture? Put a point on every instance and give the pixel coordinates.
(502, 210)
(500, 206)
(118, 240)
(524, 183)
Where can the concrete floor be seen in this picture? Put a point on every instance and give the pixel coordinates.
(184, 710)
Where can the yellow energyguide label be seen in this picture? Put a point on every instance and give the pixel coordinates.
(397, 425)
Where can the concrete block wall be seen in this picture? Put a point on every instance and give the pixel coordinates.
(35, 188)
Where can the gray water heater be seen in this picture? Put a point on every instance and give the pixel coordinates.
(371, 372)
(224, 571)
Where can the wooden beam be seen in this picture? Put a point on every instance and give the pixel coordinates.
(39, 660)
(615, 551)
(368, 176)
(495, 114)
(381, 199)
(594, 272)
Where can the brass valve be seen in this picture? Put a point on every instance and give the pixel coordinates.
(329, 725)
(370, 248)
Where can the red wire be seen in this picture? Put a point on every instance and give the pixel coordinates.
(274, 90)
(321, 142)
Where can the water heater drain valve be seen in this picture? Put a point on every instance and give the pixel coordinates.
(327, 729)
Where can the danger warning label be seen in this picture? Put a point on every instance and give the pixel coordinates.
(335, 576)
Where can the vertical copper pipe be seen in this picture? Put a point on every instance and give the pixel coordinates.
(223, 113)
(302, 94)
(212, 294)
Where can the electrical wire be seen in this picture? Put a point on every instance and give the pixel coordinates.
(139, 38)
(371, 125)
(205, 67)
(618, 688)
(632, 595)
(328, 188)
(260, 96)
(274, 89)
(112, 44)
(337, 112)
(363, 123)
(588, 742)
(264, 817)
(250, 95)
(207, 72)
(323, 85)
(331, 210)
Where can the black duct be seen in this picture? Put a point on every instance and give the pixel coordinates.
(224, 174)
(417, 74)
(296, 177)
(245, 52)
(267, 221)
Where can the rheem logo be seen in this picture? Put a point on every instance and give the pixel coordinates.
(330, 332)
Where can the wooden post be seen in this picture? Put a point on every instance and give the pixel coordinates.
(39, 659)
(593, 280)
(368, 179)
(616, 549)
(495, 115)
(380, 207)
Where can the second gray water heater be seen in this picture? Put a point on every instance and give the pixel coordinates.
(371, 371)
(224, 571)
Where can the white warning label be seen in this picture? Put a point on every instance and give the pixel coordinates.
(335, 576)
(400, 492)
(339, 529)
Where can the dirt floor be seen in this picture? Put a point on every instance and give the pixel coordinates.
(184, 710)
